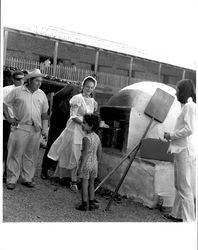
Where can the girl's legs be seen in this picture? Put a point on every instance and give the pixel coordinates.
(92, 204)
(91, 189)
(84, 195)
(84, 191)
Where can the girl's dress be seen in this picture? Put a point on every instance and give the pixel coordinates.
(90, 170)
(183, 146)
(67, 147)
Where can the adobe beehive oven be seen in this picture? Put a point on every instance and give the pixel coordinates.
(124, 113)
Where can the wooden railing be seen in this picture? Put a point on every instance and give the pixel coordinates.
(72, 74)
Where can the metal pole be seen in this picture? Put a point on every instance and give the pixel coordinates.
(55, 57)
(5, 46)
(96, 62)
(183, 74)
(130, 70)
(159, 72)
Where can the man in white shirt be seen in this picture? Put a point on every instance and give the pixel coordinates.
(30, 119)
(17, 78)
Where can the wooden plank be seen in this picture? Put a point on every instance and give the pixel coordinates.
(159, 105)
(155, 149)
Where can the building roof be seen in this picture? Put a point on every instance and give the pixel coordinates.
(95, 42)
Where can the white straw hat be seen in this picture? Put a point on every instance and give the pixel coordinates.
(33, 73)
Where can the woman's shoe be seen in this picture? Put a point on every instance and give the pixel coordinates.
(170, 217)
(82, 207)
(73, 187)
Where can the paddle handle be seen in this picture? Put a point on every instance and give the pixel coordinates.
(112, 171)
(128, 167)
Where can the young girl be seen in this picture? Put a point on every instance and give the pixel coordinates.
(88, 169)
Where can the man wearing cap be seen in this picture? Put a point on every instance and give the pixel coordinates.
(17, 78)
(30, 119)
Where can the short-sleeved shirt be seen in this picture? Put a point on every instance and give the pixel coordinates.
(27, 106)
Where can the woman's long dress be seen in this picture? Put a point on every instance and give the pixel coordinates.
(67, 147)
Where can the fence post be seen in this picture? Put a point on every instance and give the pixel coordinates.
(96, 62)
(130, 70)
(55, 57)
(183, 74)
(5, 46)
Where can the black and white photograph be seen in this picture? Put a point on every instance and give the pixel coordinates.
(98, 128)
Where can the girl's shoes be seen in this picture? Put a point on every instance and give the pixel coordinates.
(82, 207)
(73, 187)
(93, 205)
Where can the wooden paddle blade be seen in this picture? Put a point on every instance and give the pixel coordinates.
(159, 105)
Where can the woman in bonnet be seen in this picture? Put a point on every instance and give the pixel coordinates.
(67, 147)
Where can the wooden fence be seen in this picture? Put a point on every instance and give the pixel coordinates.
(71, 74)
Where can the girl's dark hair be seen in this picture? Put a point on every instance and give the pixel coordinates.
(92, 120)
(185, 89)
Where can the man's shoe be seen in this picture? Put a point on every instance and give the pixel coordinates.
(28, 184)
(170, 217)
(10, 186)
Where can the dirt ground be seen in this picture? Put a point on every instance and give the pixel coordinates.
(50, 202)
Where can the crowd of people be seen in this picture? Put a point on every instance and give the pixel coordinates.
(73, 146)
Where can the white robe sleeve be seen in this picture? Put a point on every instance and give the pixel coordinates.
(189, 116)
